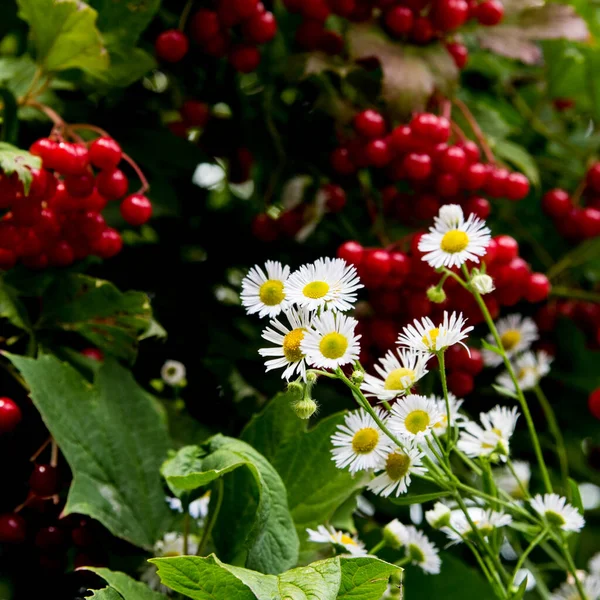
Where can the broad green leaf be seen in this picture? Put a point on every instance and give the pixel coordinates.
(105, 594)
(316, 487)
(360, 578)
(518, 157)
(155, 330)
(11, 308)
(97, 310)
(254, 526)
(127, 587)
(113, 439)
(419, 498)
(15, 160)
(126, 67)
(505, 391)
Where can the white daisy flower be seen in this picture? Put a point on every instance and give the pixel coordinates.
(327, 283)
(424, 336)
(556, 511)
(438, 516)
(594, 564)
(529, 369)
(172, 372)
(456, 418)
(486, 520)
(359, 443)
(399, 465)
(569, 591)
(493, 436)
(329, 535)
(287, 351)
(414, 417)
(398, 372)
(505, 480)
(517, 333)
(452, 241)
(331, 342)
(263, 293)
(419, 549)
(198, 509)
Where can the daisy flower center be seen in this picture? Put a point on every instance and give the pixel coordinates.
(416, 554)
(524, 372)
(430, 338)
(554, 518)
(346, 539)
(333, 345)
(454, 241)
(365, 440)
(170, 371)
(396, 465)
(271, 292)
(315, 289)
(417, 421)
(291, 345)
(510, 339)
(396, 379)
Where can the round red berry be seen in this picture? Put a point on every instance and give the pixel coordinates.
(136, 209)
(112, 183)
(557, 203)
(352, 252)
(261, 28)
(13, 529)
(496, 182)
(341, 161)
(10, 415)
(195, 113)
(517, 186)
(452, 160)
(538, 288)
(490, 12)
(589, 222)
(459, 54)
(370, 124)
(422, 31)
(50, 537)
(399, 20)
(43, 481)
(315, 9)
(108, 244)
(105, 153)
(377, 263)
(80, 185)
(450, 14)
(478, 206)
(377, 153)
(474, 176)
(507, 248)
(264, 228)
(61, 254)
(417, 166)
(204, 25)
(244, 58)
(460, 383)
(171, 45)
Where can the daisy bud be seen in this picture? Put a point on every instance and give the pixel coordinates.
(436, 295)
(438, 516)
(311, 378)
(173, 373)
(394, 534)
(305, 408)
(357, 377)
(296, 390)
(484, 284)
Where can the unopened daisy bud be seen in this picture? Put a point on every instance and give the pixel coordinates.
(305, 408)
(438, 516)
(394, 534)
(483, 284)
(295, 389)
(357, 377)
(311, 378)
(436, 295)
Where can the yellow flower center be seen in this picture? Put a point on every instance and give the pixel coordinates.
(397, 379)
(396, 465)
(333, 345)
(271, 292)
(443, 422)
(554, 518)
(346, 539)
(454, 241)
(524, 372)
(430, 339)
(510, 339)
(416, 554)
(316, 289)
(291, 345)
(417, 421)
(365, 440)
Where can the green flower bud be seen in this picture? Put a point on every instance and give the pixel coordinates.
(296, 390)
(305, 408)
(484, 284)
(357, 377)
(436, 295)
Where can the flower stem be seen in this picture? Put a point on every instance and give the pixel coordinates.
(377, 547)
(535, 542)
(212, 519)
(521, 485)
(573, 570)
(186, 531)
(440, 357)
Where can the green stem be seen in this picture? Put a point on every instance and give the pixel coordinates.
(522, 401)
(212, 519)
(440, 357)
(402, 561)
(486, 571)
(557, 434)
(521, 485)
(186, 532)
(470, 463)
(535, 542)
(377, 547)
(573, 570)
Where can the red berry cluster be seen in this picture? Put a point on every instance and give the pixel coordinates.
(462, 366)
(439, 172)
(397, 282)
(575, 222)
(233, 28)
(59, 220)
(193, 114)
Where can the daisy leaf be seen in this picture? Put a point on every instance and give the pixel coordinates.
(505, 391)
(123, 586)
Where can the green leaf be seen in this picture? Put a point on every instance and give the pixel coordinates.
(64, 34)
(361, 578)
(316, 487)
(491, 347)
(127, 587)
(113, 439)
(505, 391)
(105, 594)
(155, 330)
(254, 499)
(97, 310)
(518, 157)
(126, 67)
(419, 498)
(15, 160)
(518, 595)
(575, 495)
(11, 308)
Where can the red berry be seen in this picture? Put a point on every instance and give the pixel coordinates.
(93, 354)
(351, 252)
(447, 185)
(377, 153)
(441, 133)
(471, 150)
(335, 197)
(424, 125)
(538, 288)
(68, 159)
(264, 228)
(474, 364)
(343, 8)
(80, 185)
(459, 54)
(478, 206)
(556, 203)
(315, 9)
(331, 42)
(496, 183)
(261, 28)
(61, 255)
(112, 183)
(399, 20)
(490, 12)
(474, 177)
(136, 209)
(218, 45)
(204, 25)
(514, 273)
(108, 244)
(8, 259)
(417, 166)
(589, 222)
(426, 207)
(341, 161)
(95, 202)
(240, 165)
(377, 263)
(400, 265)
(43, 481)
(452, 160)
(422, 30)
(44, 148)
(309, 34)
(195, 113)
(517, 186)
(40, 179)
(460, 383)
(450, 14)
(507, 248)
(171, 45)
(370, 124)
(244, 58)
(49, 537)
(105, 153)
(10, 415)
(13, 529)
(593, 404)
